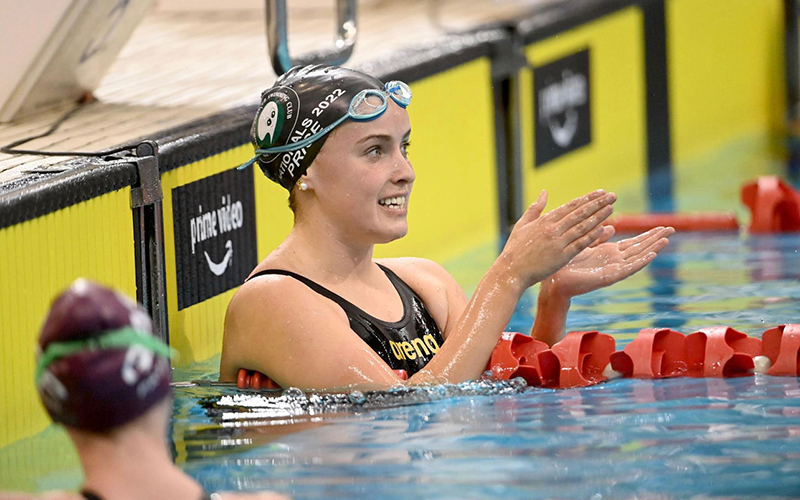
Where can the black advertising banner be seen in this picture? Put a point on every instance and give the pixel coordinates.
(561, 106)
(215, 235)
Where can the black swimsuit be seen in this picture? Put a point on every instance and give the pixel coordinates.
(408, 344)
(88, 495)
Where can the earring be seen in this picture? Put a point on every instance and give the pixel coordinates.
(302, 185)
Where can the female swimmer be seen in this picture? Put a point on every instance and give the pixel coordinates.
(103, 375)
(320, 313)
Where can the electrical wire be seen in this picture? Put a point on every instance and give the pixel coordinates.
(11, 148)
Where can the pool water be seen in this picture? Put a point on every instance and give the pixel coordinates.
(664, 439)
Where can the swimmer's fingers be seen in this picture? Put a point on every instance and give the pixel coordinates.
(650, 241)
(653, 247)
(534, 211)
(647, 250)
(629, 242)
(578, 205)
(608, 232)
(636, 264)
(640, 255)
(587, 220)
(583, 242)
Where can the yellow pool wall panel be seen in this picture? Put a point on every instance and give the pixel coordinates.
(41, 257)
(727, 97)
(453, 205)
(616, 157)
(45, 461)
(196, 331)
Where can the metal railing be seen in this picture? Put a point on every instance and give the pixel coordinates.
(277, 37)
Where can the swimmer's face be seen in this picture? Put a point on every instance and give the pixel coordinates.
(362, 177)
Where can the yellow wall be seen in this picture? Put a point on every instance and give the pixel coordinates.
(454, 201)
(93, 239)
(616, 158)
(727, 97)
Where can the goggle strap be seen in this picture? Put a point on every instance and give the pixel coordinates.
(392, 88)
(248, 162)
(114, 339)
(302, 143)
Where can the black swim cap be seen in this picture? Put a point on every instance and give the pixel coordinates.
(99, 365)
(303, 101)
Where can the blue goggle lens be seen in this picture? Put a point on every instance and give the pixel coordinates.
(400, 92)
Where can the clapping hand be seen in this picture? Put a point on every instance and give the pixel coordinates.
(604, 263)
(541, 244)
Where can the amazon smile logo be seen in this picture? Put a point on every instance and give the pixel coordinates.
(562, 106)
(215, 235)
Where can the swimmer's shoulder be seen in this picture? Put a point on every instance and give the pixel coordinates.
(268, 297)
(439, 291)
(416, 270)
(264, 311)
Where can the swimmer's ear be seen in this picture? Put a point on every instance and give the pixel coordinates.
(535, 210)
(304, 183)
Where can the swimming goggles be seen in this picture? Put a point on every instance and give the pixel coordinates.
(367, 105)
(115, 339)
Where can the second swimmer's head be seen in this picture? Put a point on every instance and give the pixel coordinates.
(298, 113)
(99, 365)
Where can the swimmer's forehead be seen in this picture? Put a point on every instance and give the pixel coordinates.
(383, 137)
(392, 125)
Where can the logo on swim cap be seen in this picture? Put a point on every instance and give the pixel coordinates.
(269, 124)
(276, 118)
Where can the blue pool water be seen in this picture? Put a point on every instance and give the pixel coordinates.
(665, 439)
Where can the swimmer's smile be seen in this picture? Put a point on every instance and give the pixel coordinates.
(395, 204)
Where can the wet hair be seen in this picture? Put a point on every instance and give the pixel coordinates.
(99, 365)
(303, 101)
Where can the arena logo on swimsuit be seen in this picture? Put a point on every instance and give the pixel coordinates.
(561, 106)
(415, 348)
(215, 235)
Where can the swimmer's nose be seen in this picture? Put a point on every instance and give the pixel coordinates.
(403, 171)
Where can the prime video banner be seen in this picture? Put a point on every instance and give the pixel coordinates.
(215, 235)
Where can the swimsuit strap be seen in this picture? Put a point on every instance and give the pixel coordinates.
(311, 284)
(398, 284)
(88, 495)
(396, 280)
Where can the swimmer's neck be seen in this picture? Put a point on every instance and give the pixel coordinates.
(132, 465)
(327, 253)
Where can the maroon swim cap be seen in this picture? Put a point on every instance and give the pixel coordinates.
(99, 364)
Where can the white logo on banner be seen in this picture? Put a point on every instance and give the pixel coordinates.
(562, 98)
(213, 223)
(220, 268)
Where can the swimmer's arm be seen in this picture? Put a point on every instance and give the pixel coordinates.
(550, 322)
(472, 336)
(308, 342)
(602, 264)
(538, 246)
(467, 326)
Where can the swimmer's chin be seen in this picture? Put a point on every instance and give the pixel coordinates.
(391, 237)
